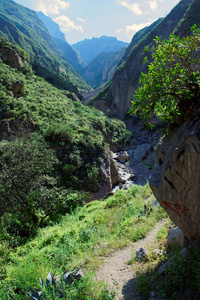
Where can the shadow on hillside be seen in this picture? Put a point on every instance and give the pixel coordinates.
(129, 292)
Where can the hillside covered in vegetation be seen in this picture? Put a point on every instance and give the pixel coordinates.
(59, 214)
(51, 129)
(21, 26)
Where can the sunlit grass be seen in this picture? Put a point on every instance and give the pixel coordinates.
(82, 238)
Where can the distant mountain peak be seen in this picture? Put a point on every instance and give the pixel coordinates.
(91, 48)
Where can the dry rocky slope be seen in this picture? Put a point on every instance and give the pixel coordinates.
(118, 96)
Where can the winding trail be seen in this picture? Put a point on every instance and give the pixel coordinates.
(121, 277)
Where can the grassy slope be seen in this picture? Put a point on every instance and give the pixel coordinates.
(77, 240)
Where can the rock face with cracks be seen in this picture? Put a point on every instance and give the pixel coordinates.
(175, 180)
(108, 176)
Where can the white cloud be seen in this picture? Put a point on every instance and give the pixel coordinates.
(51, 6)
(118, 30)
(67, 25)
(130, 30)
(153, 5)
(134, 7)
(81, 20)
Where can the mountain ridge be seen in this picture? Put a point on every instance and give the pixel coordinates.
(118, 94)
(71, 55)
(21, 26)
(96, 46)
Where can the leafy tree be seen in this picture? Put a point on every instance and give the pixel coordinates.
(171, 87)
(29, 185)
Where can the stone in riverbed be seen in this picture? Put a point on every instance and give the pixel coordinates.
(123, 157)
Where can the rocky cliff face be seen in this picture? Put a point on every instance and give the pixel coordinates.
(125, 80)
(108, 176)
(176, 177)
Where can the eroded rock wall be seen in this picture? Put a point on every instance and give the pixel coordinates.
(108, 177)
(175, 180)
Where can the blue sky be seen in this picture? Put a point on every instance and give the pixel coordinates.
(80, 19)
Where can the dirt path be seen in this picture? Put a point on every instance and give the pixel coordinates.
(115, 271)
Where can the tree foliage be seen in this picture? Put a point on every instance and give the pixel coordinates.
(172, 79)
(29, 185)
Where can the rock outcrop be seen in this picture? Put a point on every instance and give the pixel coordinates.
(108, 177)
(11, 58)
(12, 128)
(176, 177)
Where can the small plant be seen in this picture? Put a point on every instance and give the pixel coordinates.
(55, 286)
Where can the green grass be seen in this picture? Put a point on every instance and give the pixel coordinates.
(79, 239)
(180, 281)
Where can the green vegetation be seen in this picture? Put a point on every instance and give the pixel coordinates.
(58, 148)
(29, 187)
(79, 239)
(104, 95)
(180, 279)
(76, 130)
(171, 86)
(25, 29)
(67, 286)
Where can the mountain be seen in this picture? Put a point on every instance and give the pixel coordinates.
(21, 26)
(52, 27)
(116, 97)
(90, 48)
(71, 55)
(138, 37)
(93, 72)
(102, 68)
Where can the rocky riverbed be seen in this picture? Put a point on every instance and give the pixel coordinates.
(135, 161)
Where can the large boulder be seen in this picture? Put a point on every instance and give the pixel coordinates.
(175, 180)
(123, 157)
